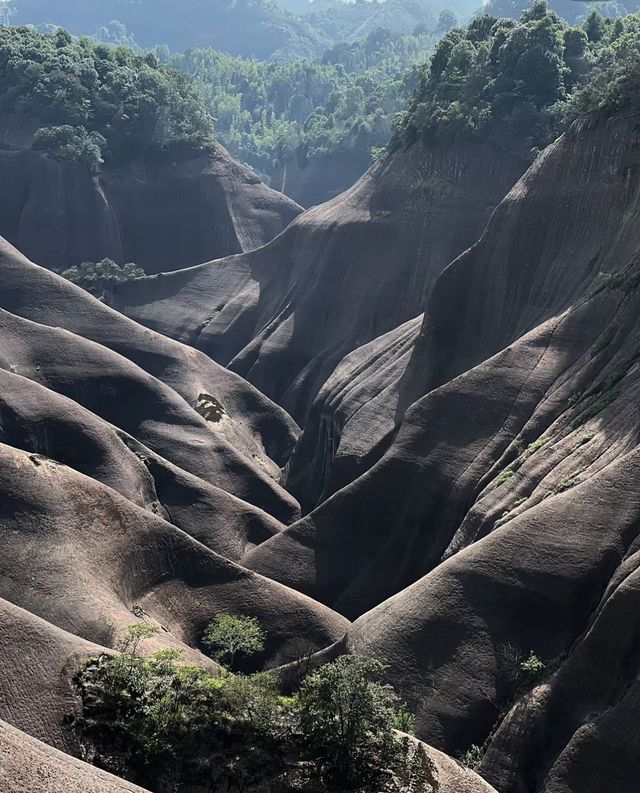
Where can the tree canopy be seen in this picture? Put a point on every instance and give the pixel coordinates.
(516, 82)
(95, 95)
(269, 113)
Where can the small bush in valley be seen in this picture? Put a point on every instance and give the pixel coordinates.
(532, 669)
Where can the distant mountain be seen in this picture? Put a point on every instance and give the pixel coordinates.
(252, 28)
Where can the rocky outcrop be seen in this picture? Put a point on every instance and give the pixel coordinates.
(169, 209)
(341, 275)
(28, 765)
(504, 513)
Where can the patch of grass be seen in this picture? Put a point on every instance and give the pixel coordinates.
(538, 444)
(586, 438)
(532, 669)
(473, 756)
(503, 476)
(567, 483)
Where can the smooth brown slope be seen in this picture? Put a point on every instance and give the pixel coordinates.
(36, 419)
(65, 533)
(166, 210)
(29, 766)
(149, 386)
(341, 274)
(509, 496)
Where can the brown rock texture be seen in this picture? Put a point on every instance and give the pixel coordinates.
(504, 512)
(117, 496)
(471, 436)
(341, 275)
(27, 766)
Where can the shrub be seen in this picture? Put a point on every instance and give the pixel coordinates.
(503, 477)
(72, 143)
(347, 718)
(169, 726)
(532, 669)
(98, 277)
(473, 756)
(227, 635)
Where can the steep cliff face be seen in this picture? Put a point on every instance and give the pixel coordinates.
(320, 178)
(344, 273)
(166, 210)
(505, 513)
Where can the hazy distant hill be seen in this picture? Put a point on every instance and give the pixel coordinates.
(251, 28)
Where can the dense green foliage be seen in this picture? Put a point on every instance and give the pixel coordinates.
(171, 726)
(72, 143)
(98, 277)
(268, 113)
(514, 82)
(228, 635)
(347, 716)
(570, 10)
(103, 101)
(614, 81)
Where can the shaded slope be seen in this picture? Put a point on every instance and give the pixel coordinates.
(353, 418)
(162, 380)
(160, 211)
(341, 275)
(38, 420)
(27, 765)
(38, 661)
(509, 494)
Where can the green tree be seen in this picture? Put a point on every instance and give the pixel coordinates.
(98, 277)
(595, 27)
(72, 143)
(347, 718)
(228, 635)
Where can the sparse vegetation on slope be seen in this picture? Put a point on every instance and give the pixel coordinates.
(98, 277)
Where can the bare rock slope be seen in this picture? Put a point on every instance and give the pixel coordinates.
(119, 497)
(342, 274)
(27, 766)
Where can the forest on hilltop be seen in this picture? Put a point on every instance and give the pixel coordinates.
(518, 84)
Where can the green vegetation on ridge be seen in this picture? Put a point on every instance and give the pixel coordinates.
(517, 84)
(269, 113)
(97, 101)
